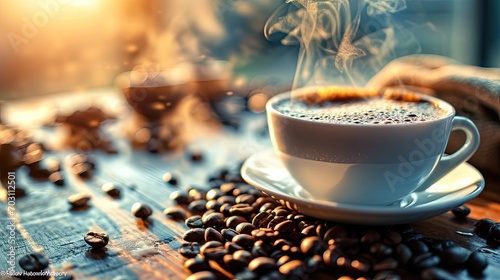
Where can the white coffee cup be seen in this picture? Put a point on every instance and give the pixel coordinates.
(367, 164)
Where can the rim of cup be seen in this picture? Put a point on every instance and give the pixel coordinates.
(440, 103)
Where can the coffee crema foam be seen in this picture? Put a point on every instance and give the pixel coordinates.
(372, 110)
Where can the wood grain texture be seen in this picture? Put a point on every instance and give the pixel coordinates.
(139, 250)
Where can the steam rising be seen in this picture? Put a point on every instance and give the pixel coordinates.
(341, 42)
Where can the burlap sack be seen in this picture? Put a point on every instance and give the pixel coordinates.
(473, 91)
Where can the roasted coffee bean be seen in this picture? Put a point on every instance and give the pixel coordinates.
(259, 251)
(196, 156)
(385, 275)
(224, 209)
(244, 240)
(273, 275)
(331, 255)
(194, 235)
(57, 178)
(227, 188)
(281, 212)
(454, 255)
(477, 262)
(494, 232)
(286, 227)
(461, 211)
(403, 253)
(265, 234)
(370, 237)
(212, 234)
(483, 225)
(392, 238)
(214, 194)
(418, 247)
(309, 231)
(226, 199)
(313, 264)
(379, 249)
(194, 222)
(141, 210)
(197, 207)
(78, 200)
(228, 233)
(170, 179)
(243, 257)
(292, 251)
(197, 193)
(213, 250)
(246, 274)
(34, 262)
(181, 197)
(206, 213)
(245, 199)
(189, 249)
(350, 242)
(261, 201)
(266, 206)
(111, 189)
(175, 213)
(245, 228)
(213, 220)
(281, 259)
(242, 189)
(278, 244)
(436, 273)
(83, 170)
(202, 275)
(360, 266)
(275, 221)
(196, 264)
(293, 270)
(426, 260)
(232, 265)
(312, 245)
(213, 205)
(97, 239)
(262, 219)
(336, 232)
(262, 265)
(321, 230)
(303, 224)
(232, 247)
(386, 264)
(241, 210)
(234, 221)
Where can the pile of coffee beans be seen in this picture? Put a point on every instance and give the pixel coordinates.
(235, 231)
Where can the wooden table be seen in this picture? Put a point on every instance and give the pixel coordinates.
(139, 251)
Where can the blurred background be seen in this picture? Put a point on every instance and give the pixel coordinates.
(51, 46)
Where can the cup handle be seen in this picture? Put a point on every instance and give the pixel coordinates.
(449, 162)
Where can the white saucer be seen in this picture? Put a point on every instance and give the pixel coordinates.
(265, 172)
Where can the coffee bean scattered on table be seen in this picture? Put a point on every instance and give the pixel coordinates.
(461, 211)
(251, 236)
(34, 262)
(97, 239)
(79, 200)
(111, 190)
(141, 210)
(170, 178)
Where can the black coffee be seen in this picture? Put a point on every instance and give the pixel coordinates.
(358, 110)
